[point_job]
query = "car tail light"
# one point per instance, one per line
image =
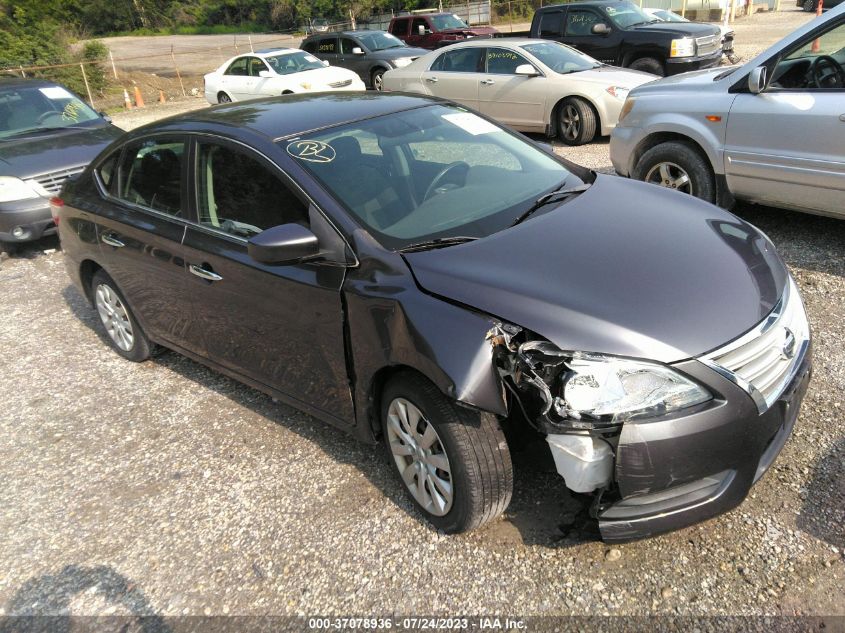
(55, 206)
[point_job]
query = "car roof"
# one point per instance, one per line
(20, 82)
(290, 115)
(579, 3)
(498, 41)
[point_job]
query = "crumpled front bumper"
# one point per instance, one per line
(675, 472)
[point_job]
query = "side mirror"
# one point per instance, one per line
(757, 80)
(265, 74)
(546, 147)
(105, 116)
(357, 51)
(325, 63)
(526, 70)
(421, 29)
(600, 29)
(283, 244)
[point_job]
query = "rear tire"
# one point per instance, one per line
(576, 122)
(461, 455)
(648, 65)
(377, 79)
(677, 165)
(222, 97)
(121, 328)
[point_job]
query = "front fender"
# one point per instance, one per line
(391, 323)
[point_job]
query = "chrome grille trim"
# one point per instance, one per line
(765, 360)
(53, 181)
(707, 44)
(341, 84)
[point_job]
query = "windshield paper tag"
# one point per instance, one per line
(312, 151)
(56, 92)
(471, 123)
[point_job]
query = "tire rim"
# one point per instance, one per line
(420, 457)
(671, 176)
(224, 98)
(115, 318)
(571, 122)
(377, 81)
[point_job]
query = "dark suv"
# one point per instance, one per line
(368, 53)
(619, 33)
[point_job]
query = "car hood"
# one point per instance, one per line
(693, 81)
(682, 29)
(44, 153)
(614, 76)
(399, 53)
(321, 76)
(625, 268)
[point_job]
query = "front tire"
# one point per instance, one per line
(454, 462)
(648, 65)
(809, 5)
(377, 79)
(677, 165)
(122, 330)
(576, 122)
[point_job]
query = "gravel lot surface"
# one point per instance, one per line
(166, 488)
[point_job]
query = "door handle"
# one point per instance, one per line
(111, 240)
(431, 80)
(487, 82)
(202, 273)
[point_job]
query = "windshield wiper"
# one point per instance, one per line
(436, 243)
(644, 22)
(558, 195)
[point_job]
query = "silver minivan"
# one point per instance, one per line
(771, 131)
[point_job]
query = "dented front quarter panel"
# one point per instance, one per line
(392, 324)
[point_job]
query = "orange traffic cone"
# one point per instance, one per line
(139, 100)
(126, 102)
(817, 46)
(161, 98)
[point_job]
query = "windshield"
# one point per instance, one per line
(668, 16)
(433, 172)
(625, 14)
(380, 41)
(293, 62)
(450, 21)
(28, 109)
(561, 58)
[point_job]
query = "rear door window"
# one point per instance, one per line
(551, 24)
(327, 46)
(238, 67)
(399, 28)
(462, 60)
(151, 175)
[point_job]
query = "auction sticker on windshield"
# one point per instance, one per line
(56, 92)
(471, 123)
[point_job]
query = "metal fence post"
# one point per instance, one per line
(113, 68)
(23, 74)
(87, 87)
(178, 74)
(251, 49)
(683, 8)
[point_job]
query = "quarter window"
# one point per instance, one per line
(502, 61)
(151, 174)
(240, 195)
(238, 67)
(462, 60)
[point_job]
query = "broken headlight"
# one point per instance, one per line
(606, 388)
(559, 390)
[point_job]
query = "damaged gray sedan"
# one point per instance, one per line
(412, 272)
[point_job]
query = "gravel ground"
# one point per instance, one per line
(167, 488)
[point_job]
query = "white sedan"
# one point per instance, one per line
(531, 85)
(273, 73)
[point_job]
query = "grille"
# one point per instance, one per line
(708, 44)
(764, 360)
(341, 84)
(53, 182)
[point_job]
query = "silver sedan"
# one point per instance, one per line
(531, 85)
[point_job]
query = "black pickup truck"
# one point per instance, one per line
(619, 33)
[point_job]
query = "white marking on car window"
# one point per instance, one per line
(471, 123)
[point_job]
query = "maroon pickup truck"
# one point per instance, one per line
(433, 30)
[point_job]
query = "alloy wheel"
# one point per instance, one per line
(114, 317)
(671, 176)
(378, 81)
(420, 457)
(571, 122)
